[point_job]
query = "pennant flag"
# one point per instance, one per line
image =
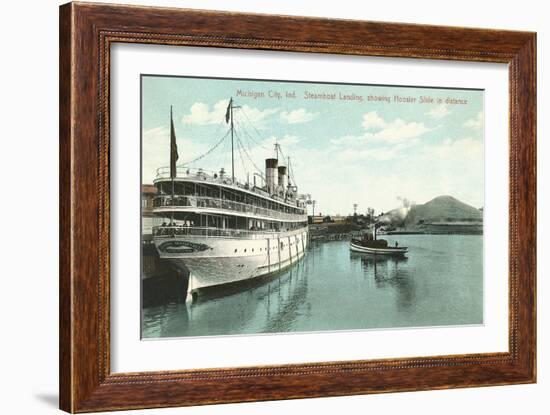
(228, 112)
(173, 148)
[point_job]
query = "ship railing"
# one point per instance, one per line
(223, 204)
(219, 179)
(182, 171)
(202, 175)
(170, 231)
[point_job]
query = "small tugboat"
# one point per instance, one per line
(370, 245)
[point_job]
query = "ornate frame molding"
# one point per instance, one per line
(86, 33)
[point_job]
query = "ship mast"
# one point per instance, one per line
(232, 150)
(229, 115)
(173, 159)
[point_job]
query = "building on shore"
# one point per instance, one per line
(315, 220)
(340, 219)
(148, 219)
(148, 193)
(325, 219)
(454, 227)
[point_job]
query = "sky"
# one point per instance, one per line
(372, 145)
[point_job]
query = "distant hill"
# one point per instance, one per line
(440, 209)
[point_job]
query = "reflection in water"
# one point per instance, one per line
(388, 274)
(286, 309)
(439, 283)
(271, 306)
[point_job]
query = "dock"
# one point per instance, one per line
(332, 232)
(160, 283)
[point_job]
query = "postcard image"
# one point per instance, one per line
(285, 206)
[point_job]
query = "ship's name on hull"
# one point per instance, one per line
(181, 247)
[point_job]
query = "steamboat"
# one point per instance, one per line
(223, 231)
(370, 244)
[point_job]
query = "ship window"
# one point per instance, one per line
(235, 250)
(252, 249)
(245, 250)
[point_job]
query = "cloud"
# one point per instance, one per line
(395, 131)
(289, 140)
(297, 116)
(202, 114)
(155, 143)
(463, 149)
(383, 140)
(266, 148)
(346, 140)
(439, 111)
(372, 121)
(255, 116)
(378, 153)
(381, 131)
(354, 150)
(476, 123)
(157, 133)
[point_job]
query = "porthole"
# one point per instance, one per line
(235, 250)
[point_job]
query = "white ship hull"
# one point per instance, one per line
(378, 251)
(216, 261)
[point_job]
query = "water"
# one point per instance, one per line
(439, 283)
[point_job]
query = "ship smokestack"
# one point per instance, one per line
(271, 175)
(283, 178)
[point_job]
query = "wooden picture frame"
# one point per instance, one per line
(86, 33)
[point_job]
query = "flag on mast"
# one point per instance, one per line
(228, 111)
(173, 147)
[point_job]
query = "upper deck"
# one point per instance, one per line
(207, 192)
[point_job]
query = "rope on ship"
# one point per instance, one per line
(290, 169)
(255, 129)
(207, 153)
(239, 145)
(239, 142)
(245, 144)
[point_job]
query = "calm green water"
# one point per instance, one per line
(440, 282)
